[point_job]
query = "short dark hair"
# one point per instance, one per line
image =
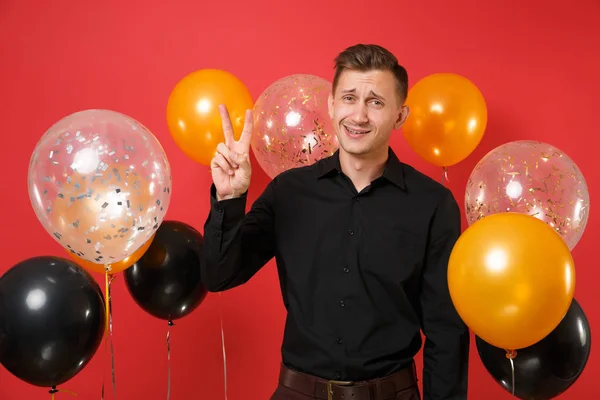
(367, 57)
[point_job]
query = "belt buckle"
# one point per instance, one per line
(337, 383)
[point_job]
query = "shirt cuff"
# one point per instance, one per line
(227, 212)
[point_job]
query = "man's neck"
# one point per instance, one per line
(363, 170)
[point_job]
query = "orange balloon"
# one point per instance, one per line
(193, 116)
(447, 119)
(512, 279)
(114, 268)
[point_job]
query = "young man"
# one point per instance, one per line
(362, 243)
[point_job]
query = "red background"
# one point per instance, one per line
(536, 63)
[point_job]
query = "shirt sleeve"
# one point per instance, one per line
(237, 245)
(446, 349)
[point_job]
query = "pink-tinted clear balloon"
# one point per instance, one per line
(534, 178)
(100, 184)
(292, 127)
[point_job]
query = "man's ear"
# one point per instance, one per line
(330, 105)
(402, 115)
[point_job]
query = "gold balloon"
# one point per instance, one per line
(447, 120)
(512, 279)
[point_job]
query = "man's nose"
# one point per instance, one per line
(360, 115)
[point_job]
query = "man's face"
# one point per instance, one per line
(365, 108)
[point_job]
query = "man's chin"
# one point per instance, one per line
(354, 150)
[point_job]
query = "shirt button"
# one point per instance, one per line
(338, 375)
(346, 269)
(217, 234)
(351, 232)
(342, 303)
(339, 340)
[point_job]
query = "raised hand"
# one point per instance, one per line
(230, 167)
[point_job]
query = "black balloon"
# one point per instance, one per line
(52, 320)
(166, 281)
(549, 367)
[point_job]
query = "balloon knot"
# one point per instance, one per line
(171, 323)
(53, 390)
(511, 354)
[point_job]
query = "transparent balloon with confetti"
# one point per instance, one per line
(534, 178)
(100, 184)
(292, 127)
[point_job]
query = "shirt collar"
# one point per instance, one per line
(393, 172)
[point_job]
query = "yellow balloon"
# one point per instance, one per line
(512, 279)
(447, 120)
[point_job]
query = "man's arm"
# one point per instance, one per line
(446, 350)
(237, 245)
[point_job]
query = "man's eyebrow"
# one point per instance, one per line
(372, 93)
(377, 95)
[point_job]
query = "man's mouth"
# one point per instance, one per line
(356, 131)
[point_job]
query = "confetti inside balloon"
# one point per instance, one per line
(534, 178)
(292, 127)
(100, 184)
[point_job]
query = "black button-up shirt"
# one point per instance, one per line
(361, 273)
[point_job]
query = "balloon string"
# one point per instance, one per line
(106, 298)
(169, 359)
(223, 346)
(54, 390)
(106, 323)
(511, 354)
(445, 175)
(512, 368)
(108, 279)
(112, 350)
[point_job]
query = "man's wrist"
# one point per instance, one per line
(234, 195)
(227, 197)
